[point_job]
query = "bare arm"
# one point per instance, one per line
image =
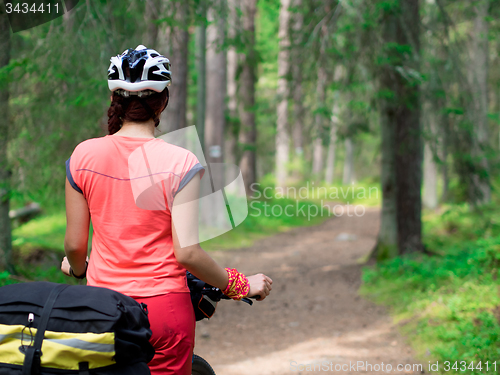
(193, 257)
(77, 231)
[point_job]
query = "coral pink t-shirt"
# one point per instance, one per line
(129, 184)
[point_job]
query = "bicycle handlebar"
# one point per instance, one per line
(215, 294)
(244, 299)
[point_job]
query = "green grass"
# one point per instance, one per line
(448, 304)
(362, 193)
(367, 193)
(46, 232)
(38, 250)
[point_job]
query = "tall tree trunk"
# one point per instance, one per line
(317, 168)
(282, 137)
(298, 112)
(430, 197)
(387, 240)
(5, 227)
(334, 123)
(348, 175)
(409, 137)
(401, 176)
(497, 107)
(479, 190)
(232, 127)
(69, 21)
(444, 155)
(248, 133)
(201, 69)
(442, 132)
(177, 38)
(216, 80)
(151, 14)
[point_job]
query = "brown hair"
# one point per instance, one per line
(131, 109)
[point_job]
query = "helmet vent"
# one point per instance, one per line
(151, 75)
(139, 70)
(136, 71)
(126, 69)
(113, 73)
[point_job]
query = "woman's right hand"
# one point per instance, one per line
(260, 285)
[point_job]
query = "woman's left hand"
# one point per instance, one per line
(65, 267)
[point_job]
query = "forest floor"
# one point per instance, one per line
(314, 315)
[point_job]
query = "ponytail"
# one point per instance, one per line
(135, 109)
(116, 113)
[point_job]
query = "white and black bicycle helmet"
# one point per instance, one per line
(140, 72)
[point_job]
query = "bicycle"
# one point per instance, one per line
(205, 298)
(201, 366)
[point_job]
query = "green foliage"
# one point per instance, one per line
(388, 5)
(448, 302)
(458, 223)
(58, 91)
(5, 279)
(266, 38)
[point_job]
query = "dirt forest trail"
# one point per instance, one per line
(314, 314)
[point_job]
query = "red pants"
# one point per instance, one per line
(173, 322)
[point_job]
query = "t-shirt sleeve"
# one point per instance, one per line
(190, 169)
(70, 171)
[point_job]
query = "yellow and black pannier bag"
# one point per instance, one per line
(55, 329)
